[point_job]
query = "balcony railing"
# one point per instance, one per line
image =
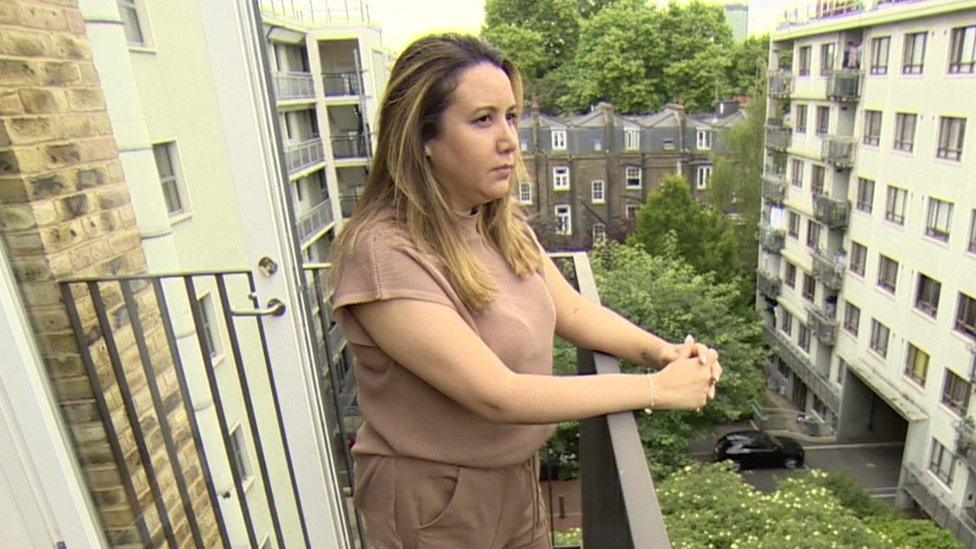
(839, 151)
(293, 85)
(774, 184)
(831, 212)
(345, 83)
(823, 325)
(844, 85)
(829, 269)
(966, 442)
(305, 154)
(321, 11)
(771, 239)
(778, 139)
(816, 380)
(315, 220)
(768, 283)
(350, 146)
(933, 500)
(780, 83)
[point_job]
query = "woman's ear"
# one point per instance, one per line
(427, 150)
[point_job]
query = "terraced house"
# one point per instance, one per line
(868, 246)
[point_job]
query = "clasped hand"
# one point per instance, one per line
(687, 382)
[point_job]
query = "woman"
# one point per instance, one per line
(450, 305)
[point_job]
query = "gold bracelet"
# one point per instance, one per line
(650, 383)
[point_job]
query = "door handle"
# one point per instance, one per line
(274, 307)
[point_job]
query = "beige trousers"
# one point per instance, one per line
(410, 503)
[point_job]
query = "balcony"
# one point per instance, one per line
(823, 325)
(316, 219)
(767, 283)
(966, 441)
(829, 270)
(831, 212)
(838, 151)
(342, 84)
(772, 240)
(353, 145)
(293, 85)
(774, 184)
(931, 497)
(780, 84)
(778, 138)
(814, 379)
(300, 156)
(844, 85)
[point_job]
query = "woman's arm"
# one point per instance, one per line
(434, 343)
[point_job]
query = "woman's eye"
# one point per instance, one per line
(482, 120)
(511, 117)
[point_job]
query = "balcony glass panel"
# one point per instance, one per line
(823, 324)
(315, 220)
(839, 151)
(829, 269)
(780, 83)
(830, 211)
(778, 139)
(302, 155)
(844, 85)
(349, 146)
(338, 84)
(293, 85)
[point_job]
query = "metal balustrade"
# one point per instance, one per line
(823, 325)
(353, 145)
(844, 85)
(829, 269)
(780, 83)
(772, 240)
(293, 85)
(838, 151)
(774, 184)
(768, 284)
(343, 83)
(316, 219)
(933, 500)
(302, 155)
(812, 377)
(832, 212)
(778, 139)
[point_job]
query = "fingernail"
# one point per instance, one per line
(689, 340)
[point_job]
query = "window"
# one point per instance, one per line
(895, 205)
(887, 273)
(913, 57)
(165, 154)
(630, 210)
(633, 177)
(879, 338)
(927, 295)
(801, 119)
(790, 277)
(804, 61)
(599, 233)
(809, 287)
(952, 132)
(238, 449)
(905, 132)
(704, 139)
(966, 316)
(564, 219)
(938, 220)
(859, 256)
(702, 177)
(668, 143)
(826, 58)
(955, 393)
(597, 191)
(879, 54)
(872, 128)
(962, 51)
(972, 233)
(560, 178)
(129, 13)
(803, 337)
(852, 318)
(559, 140)
(208, 320)
(786, 322)
(796, 173)
(916, 364)
(525, 192)
(823, 120)
(841, 370)
(632, 139)
(817, 180)
(813, 234)
(794, 225)
(865, 195)
(942, 462)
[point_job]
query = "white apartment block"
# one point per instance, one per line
(867, 274)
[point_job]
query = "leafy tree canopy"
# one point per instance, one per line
(554, 22)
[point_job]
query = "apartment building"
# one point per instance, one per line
(589, 174)
(867, 275)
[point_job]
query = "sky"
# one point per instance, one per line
(404, 20)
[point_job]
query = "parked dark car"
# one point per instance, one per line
(756, 449)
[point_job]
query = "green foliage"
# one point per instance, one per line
(701, 236)
(748, 64)
(548, 27)
(850, 494)
(914, 533)
(571, 537)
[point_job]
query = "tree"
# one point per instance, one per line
(551, 24)
(748, 64)
(700, 235)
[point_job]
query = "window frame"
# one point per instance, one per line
(909, 49)
(965, 319)
(895, 203)
(173, 182)
(793, 224)
(859, 258)
(786, 323)
(938, 219)
(523, 186)
(865, 195)
(703, 139)
(887, 266)
(928, 292)
(828, 51)
(872, 128)
(958, 63)
(210, 327)
(559, 140)
(563, 229)
(629, 177)
(802, 111)
(241, 458)
(789, 274)
(796, 172)
(946, 150)
(138, 11)
(818, 178)
(703, 176)
(814, 231)
(823, 120)
(593, 191)
(560, 178)
(632, 139)
(630, 210)
(803, 61)
(916, 359)
(880, 338)
(939, 456)
(904, 139)
(602, 232)
(877, 66)
(852, 318)
(809, 289)
(803, 337)
(952, 397)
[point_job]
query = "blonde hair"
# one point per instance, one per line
(401, 178)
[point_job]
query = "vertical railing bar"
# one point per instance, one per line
(197, 313)
(103, 411)
(252, 419)
(150, 372)
(276, 403)
(190, 412)
(130, 411)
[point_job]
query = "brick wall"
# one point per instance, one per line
(65, 212)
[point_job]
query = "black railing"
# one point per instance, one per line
(338, 84)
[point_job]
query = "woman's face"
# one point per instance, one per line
(473, 154)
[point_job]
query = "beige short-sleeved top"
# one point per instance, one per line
(404, 416)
